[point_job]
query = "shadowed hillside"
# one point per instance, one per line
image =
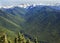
(44, 23)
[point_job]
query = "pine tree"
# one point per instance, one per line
(35, 40)
(4, 39)
(16, 40)
(9, 41)
(21, 38)
(28, 41)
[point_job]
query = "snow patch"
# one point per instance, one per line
(27, 5)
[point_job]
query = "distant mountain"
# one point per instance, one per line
(44, 22)
(38, 21)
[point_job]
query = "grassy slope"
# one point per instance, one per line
(10, 21)
(10, 34)
(10, 24)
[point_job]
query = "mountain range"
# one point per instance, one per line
(38, 21)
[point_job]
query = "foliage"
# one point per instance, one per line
(19, 39)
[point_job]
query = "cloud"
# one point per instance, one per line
(16, 2)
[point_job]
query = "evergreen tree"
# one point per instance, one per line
(28, 41)
(21, 38)
(35, 40)
(9, 41)
(4, 38)
(16, 40)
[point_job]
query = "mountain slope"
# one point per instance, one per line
(44, 23)
(4, 30)
(10, 24)
(10, 21)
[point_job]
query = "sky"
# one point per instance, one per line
(17, 2)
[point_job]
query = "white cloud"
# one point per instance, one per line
(16, 2)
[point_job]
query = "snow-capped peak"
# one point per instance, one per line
(21, 5)
(27, 5)
(6, 7)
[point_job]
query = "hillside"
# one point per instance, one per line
(10, 21)
(42, 22)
